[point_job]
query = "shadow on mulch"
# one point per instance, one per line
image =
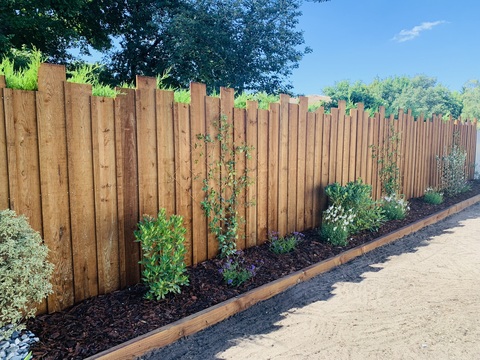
(104, 321)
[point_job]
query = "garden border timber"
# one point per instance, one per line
(194, 323)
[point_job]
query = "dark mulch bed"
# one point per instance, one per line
(102, 322)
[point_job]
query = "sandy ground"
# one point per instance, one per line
(418, 298)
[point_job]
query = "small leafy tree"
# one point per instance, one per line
(162, 241)
(224, 184)
(24, 271)
(451, 168)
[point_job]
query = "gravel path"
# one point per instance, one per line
(417, 298)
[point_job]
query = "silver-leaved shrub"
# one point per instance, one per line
(24, 271)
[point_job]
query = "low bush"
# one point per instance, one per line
(335, 234)
(285, 244)
(357, 196)
(24, 271)
(163, 250)
(432, 196)
(395, 207)
(235, 272)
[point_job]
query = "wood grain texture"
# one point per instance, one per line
(301, 162)
(183, 174)
(208, 317)
(103, 134)
(273, 165)
(322, 142)
(199, 172)
(239, 126)
(282, 209)
(212, 152)
(310, 170)
(147, 147)
(262, 176)
(165, 150)
(4, 193)
(292, 155)
(251, 228)
(127, 186)
(54, 182)
(81, 185)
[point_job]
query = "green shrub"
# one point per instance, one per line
(337, 224)
(21, 72)
(432, 196)
(451, 167)
(285, 244)
(334, 234)
(357, 196)
(162, 241)
(24, 271)
(395, 207)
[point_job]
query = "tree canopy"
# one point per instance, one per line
(249, 44)
(422, 94)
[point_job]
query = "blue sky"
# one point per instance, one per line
(362, 39)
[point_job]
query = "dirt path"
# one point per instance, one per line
(418, 298)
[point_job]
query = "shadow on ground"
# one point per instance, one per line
(263, 318)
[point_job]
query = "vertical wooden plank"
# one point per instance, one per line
(103, 133)
(365, 145)
(212, 156)
(273, 165)
(377, 138)
(10, 136)
(81, 185)
(2, 82)
(4, 194)
(226, 109)
(359, 144)
(333, 145)
(23, 159)
(410, 147)
(166, 151)
(346, 149)
(262, 176)
(291, 192)
(283, 166)
(311, 188)
(54, 182)
(401, 149)
(127, 186)
(353, 145)
(147, 147)
(301, 144)
(239, 116)
(251, 166)
(368, 155)
(322, 157)
(199, 172)
(340, 140)
(183, 171)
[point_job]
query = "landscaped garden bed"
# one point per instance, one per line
(105, 321)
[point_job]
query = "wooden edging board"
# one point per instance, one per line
(189, 325)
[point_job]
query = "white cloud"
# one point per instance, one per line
(406, 35)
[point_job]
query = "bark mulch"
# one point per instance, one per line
(104, 321)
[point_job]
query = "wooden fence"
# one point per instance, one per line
(84, 169)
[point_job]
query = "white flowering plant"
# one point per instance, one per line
(337, 225)
(395, 207)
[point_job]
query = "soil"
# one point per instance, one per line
(104, 321)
